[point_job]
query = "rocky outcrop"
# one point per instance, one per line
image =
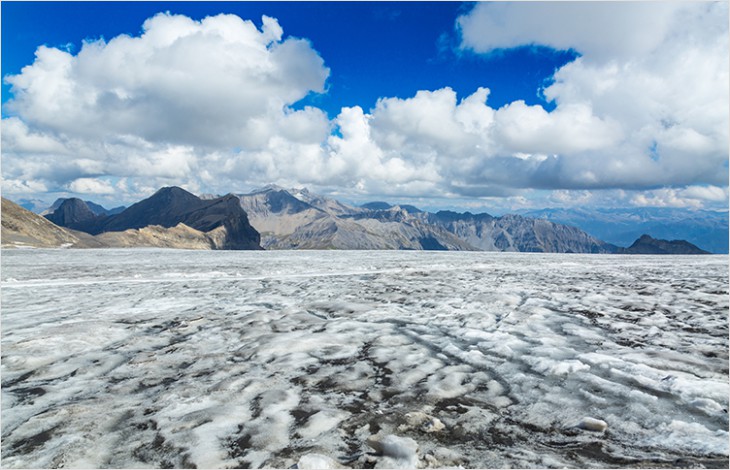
(180, 236)
(647, 245)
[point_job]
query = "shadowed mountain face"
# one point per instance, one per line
(167, 208)
(647, 245)
(75, 214)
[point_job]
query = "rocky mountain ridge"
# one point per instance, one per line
(24, 229)
(299, 219)
(167, 208)
(289, 219)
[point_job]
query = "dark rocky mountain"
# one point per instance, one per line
(93, 207)
(167, 208)
(647, 245)
(75, 214)
(23, 229)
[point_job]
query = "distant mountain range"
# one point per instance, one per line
(278, 218)
(706, 229)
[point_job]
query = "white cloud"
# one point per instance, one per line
(209, 105)
(157, 105)
(91, 186)
(567, 130)
(691, 197)
(180, 82)
(645, 105)
(600, 30)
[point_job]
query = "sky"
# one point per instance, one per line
(493, 106)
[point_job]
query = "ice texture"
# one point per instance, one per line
(163, 358)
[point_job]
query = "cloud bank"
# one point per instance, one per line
(211, 104)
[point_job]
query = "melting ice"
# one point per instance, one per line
(165, 358)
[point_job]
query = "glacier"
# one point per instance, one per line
(152, 358)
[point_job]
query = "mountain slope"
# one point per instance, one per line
(180, 236)
(299, 219)
(21, 227)
(290, 219)
(517, 233)
(75, 214)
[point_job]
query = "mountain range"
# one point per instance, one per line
(704, 228)
(290, 219)
(278, 218)
(172, 217)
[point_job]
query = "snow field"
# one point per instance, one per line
(154, 358)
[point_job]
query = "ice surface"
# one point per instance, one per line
(165, 358)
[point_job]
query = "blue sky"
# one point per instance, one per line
(445, 104)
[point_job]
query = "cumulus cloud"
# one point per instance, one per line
(161, 104)
(599, 30)
(209, 105)
(91, 186)
(646, 103)
(694, 197)
(180, 81)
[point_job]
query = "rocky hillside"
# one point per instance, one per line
(23, 228)
(289, 219)
(517, 233)
(298, 219)
(180, 236)
(647, 245)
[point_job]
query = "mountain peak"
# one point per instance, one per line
(172, 190)
(73, 213)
